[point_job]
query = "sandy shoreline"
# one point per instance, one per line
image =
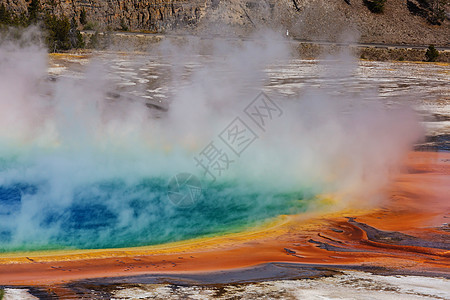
(409, 235)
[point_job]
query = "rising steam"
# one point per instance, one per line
(79, 168)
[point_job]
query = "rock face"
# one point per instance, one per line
(153, 15)
(331, 20)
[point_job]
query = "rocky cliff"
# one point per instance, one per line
(306, 19)
(152, 15)
(333, 20)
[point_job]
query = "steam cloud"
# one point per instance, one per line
(78, 169)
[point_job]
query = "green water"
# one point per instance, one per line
(117, 213)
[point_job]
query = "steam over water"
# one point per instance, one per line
(85, 157)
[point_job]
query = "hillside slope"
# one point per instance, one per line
(307, 19)
(330, 20)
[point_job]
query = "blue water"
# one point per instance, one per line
(116, 213)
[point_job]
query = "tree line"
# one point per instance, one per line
(60, 32)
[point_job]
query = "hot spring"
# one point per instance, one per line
(88, 144)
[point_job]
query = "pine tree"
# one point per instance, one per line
(375, 6)
(83, 18)
(431, 54)
(5, 16)
(33, 11)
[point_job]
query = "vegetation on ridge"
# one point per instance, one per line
(60, 33)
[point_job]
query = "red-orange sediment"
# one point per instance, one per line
(418, 206)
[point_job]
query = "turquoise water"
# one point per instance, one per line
(116, 213)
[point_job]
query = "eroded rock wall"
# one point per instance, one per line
(153, 15)
(330, 20)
